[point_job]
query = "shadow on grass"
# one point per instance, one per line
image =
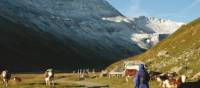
(106, 86)
(58, 85)
(31, 84)
(191, 85)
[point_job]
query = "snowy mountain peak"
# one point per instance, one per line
(153, 30)
(148, 25)
(156, 25)
(149, 30)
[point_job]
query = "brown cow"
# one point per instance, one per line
(17, 79)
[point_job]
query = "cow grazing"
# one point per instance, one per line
(172, 83)
(17, 79)
(168, 81)
(181, 80)
(172, 74)
(161, 77)
(153, 75)
(5, 77)
(49, 77)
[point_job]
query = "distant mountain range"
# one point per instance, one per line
(156, 25)
(71, 34)
(151, 30)
(179, 53)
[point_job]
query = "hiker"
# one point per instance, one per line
(142, 78)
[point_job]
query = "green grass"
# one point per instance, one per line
(70, 81)
(37, 81)
(121, 83)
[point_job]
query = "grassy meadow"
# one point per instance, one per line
(69, 80)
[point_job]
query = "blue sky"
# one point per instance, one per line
(178, 10)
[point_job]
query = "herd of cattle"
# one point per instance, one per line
(48, 77)
(166, 80)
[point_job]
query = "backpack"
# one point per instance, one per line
(144, 77)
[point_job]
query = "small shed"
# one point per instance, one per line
(116, 72)
(131, 68)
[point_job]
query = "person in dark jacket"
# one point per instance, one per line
(142, 78)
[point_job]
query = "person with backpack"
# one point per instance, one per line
(142, 78)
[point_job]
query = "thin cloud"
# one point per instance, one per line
(136, 10)
(182, 13)
(192, 5)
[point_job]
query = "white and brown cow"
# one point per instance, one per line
(49, 77)
(167, 81)
(5, 77)
(181, 80)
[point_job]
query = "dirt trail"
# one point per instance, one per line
(84, 83)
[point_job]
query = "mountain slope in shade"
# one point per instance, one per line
(65, 34)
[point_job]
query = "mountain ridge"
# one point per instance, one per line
(178, 53)
(65, 34)
(73, 37)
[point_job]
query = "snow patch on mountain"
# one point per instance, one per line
(156, 25)
(117, 19)
(147, 41)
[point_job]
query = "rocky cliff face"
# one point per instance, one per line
(63, 34)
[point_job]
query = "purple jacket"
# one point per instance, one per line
(142, 78)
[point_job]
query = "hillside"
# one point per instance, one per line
(65, 34)
(178, 53)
